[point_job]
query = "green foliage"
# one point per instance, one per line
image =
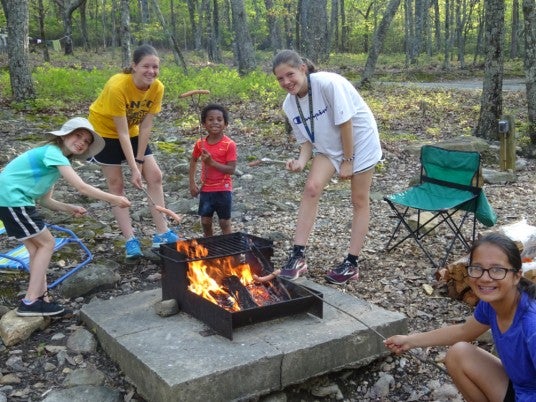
(68, 84)
(224, 83)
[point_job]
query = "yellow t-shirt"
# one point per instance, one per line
(120, 97)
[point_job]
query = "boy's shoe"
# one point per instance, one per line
(343, 273)
(169, 237)
(133, 249)
(39, 308)
(295, 266)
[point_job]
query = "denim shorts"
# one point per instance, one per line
(215, 201)
(22, 222)
(113, 154)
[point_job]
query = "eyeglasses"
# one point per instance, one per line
(496, 273)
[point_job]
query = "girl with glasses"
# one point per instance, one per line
(508, 308)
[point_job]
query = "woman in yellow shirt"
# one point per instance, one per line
(123, 115)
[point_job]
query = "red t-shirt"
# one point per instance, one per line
(223, 151)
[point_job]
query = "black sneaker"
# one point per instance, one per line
(343, 273)
(39, 308)
(295, 266)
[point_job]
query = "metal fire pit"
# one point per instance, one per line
(257, 252)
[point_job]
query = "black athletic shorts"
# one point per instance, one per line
(22, 222)
(112, 154)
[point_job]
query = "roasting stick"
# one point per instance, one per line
(266, 160)
(276, 272)
(195, 99)
(164, 211)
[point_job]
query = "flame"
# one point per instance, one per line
(206, 276)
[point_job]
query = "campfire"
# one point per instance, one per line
(219, 280)
(227, 281)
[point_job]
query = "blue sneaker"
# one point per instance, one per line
(133, 248)
(169, 237)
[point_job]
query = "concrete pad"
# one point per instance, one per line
(173, 359)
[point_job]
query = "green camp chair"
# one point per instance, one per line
(450, 189)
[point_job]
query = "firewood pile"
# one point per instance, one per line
(455, 276)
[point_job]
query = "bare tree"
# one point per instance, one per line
(17, 14)
(124, 35)
(67, 8)
(313, 23)
(516, 30)
(529, 13)
(491, 101)
(83, 25)
(179, 60)
(244, 52)
(377, 41)
(273, 25)
(41, 20)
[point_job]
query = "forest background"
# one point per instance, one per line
(461, 37)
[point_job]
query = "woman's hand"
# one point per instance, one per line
(135, 178)
(294, 165)
(346, 170)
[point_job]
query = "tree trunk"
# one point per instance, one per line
(41, 13)
(245, 54)
(437, 25)
(144, 16)
(67, 11)
(377, 41)
(177, 54)
(491, 102)
(529, 13)
(333, 32)
(344, 29)
(314, 30)
(216, 35)
(516, 30)
(20, 75)
(83, 25)
(124, 34)
(273, 25)
(196, 31)
(448, 42)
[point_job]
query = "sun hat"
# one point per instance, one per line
(80, 122)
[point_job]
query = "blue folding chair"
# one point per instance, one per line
(19, 258)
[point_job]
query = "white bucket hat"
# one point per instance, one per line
(80, 122)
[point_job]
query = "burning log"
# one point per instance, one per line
(240, 293)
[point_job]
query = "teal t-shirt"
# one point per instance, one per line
(31, 175)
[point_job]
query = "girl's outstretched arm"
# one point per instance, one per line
(444, 336)
(71, 177)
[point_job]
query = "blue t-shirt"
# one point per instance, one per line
(517, 346)
(31, 175)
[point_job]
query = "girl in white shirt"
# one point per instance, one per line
(333, 124)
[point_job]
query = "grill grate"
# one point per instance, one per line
(227, 245)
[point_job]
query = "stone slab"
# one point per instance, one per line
(173, 359)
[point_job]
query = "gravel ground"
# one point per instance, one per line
(267, 198)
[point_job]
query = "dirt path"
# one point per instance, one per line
(509, 84)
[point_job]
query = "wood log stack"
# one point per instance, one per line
(455, 277)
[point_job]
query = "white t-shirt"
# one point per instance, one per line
(335, 101)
